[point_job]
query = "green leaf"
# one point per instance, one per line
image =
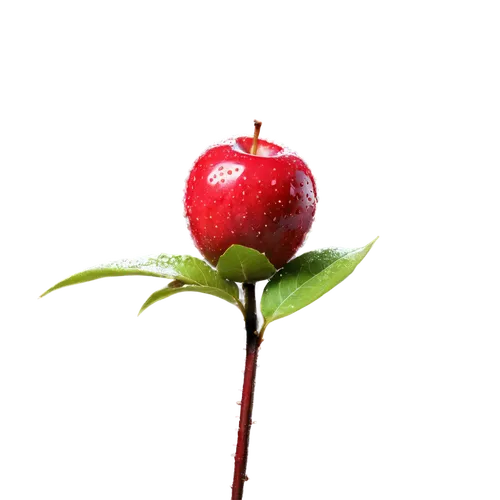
(97, 274)
(308, 277)
(168, 291)
(183, 268)
(243, 264)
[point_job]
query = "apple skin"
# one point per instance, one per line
(265, 201)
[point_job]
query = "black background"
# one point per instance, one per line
(148, 402)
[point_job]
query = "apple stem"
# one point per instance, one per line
(256, 133)
(253, 343)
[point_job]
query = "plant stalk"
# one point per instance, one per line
(256, 132)
(253, 342)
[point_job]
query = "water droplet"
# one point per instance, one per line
(273, 182)
(221, 167)
(211, 180)
(223, 180)
(229, 172)
(237, 169)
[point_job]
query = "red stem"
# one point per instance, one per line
(253, 341)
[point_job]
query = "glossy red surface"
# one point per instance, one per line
(265, 201)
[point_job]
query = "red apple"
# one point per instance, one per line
(264, 201)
